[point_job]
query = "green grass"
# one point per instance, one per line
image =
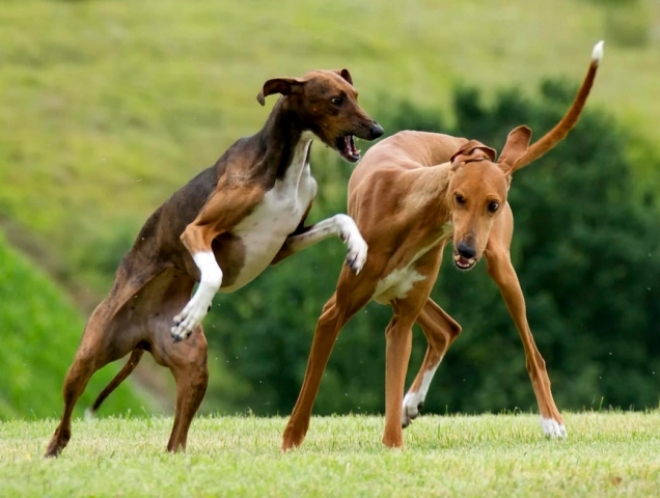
(107, 106)
(606, 454)
(40, 329)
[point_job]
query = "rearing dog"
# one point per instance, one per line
(222, 230)
(409, 196)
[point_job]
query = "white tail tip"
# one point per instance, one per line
(597, 53)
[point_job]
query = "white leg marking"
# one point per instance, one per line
(196, 309)
(552, 428)
(342, 226)
(357, 247)
(89, 415)
(412, 400)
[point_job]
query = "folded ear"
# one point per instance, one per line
(284, 86)
(473, 151)
(345, 74)
(515, 147)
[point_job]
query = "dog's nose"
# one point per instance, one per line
(376, 131)
(468, 252)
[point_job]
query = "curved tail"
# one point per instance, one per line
(561, 129)
(121, 376)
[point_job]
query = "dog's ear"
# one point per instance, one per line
(344, 73)
(284, 86)
(515, 147)
(472, 151)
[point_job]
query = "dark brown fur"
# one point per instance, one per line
(155, 279)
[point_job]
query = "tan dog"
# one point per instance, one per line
(409, 194)
(222, 230)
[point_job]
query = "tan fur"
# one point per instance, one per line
(403, 195)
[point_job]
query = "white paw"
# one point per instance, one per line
(357, 247)
(552, 428)
(357, 252)
(89, 415)
(191, 316)
(412, 403)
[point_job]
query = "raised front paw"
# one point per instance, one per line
(357, 247)
(191, 316)
(357, 253)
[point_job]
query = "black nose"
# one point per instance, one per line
(468, 252)
(376, 131)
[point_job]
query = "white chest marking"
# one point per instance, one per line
(263, 232)
(397, 284)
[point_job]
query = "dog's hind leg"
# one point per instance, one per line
(187, 361)
(100, 345)
(440, 330)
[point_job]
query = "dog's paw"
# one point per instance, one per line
(357, 247)
(357, 252)
(191, 316)
(412, 405)
(553, 428)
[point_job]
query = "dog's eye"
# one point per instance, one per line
(493, 206)
(336, 101)
(460, 200)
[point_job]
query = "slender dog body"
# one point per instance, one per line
(412, 194)
(222, 230)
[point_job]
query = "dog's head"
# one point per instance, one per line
(478, 188)
(326, 103)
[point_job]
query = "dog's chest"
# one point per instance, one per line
(399, 282)
(264, 231)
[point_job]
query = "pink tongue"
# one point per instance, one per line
(464, 261)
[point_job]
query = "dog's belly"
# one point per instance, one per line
(262, 234)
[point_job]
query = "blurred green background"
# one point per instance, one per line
(108, 106)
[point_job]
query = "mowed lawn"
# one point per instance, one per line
(606, 454)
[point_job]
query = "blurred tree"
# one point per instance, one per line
(586, 251)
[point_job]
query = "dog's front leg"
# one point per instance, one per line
(224, 210)
(340, 225)
(200, 304)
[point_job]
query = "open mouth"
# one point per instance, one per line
(346, 147)
(464, 264)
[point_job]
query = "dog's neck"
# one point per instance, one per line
(280, 138)
(431, 189)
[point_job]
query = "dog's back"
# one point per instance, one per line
(403, 151)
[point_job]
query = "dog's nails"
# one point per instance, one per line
(208, 309)
(176, 338)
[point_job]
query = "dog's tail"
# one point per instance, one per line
(121, 376)
(559, 132)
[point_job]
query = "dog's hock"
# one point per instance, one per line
(197, 308)
(597, 53)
